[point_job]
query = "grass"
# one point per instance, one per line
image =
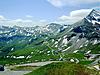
(79, 56)
(86, 62)
(11, 61)
(23, 68)
(63, 68)
(40, 53)
(95, 49)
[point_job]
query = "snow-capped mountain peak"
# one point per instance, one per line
(94, 17)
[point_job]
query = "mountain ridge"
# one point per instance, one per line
(63, 42)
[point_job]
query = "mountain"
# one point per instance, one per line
(87, 29)
(14, 38)
(82, 38)
(6, 31)
(83, 32)
(79, 42)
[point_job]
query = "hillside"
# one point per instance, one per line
(64, 68)
(79, 42)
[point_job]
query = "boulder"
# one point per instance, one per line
(1, 68)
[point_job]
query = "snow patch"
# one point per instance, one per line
(65, 41)
(95, 41)
(88, 52)
(97, 67)
(71, 60)
(75, 51)
(20, 57)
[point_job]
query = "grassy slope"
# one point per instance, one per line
(64, 68)
(23, 68)
(95, 49)
(39, 51)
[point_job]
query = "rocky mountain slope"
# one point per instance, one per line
(79, 42)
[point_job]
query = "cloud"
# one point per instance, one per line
(21, 22)
(74, 16)
(2, 18)
(29, 16)
(61, 3)
(80, 13)
(56, 3)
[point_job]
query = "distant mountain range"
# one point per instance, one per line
(53, 41)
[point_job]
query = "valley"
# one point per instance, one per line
(40, 46)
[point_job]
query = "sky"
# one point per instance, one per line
(41, 12)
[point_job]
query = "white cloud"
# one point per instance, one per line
(2, 17)
(60, 3)
(21, 20)
(18, 20)
(29, 16)
(56, 3)
(74, 16)
(80, 13)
